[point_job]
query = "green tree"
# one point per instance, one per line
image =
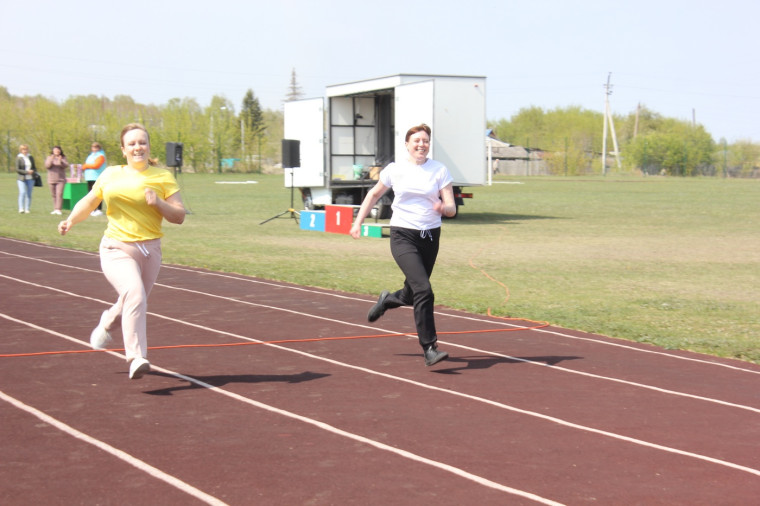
(273, 134)
(222, 133)
(572, 140)
(744, 157)
(9, 124)
(184, 121)
(85, 123)
(675, 148)
(641, 122)
(252, 119)
(569, 136)
(208, 134)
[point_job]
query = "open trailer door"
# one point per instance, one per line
(414, 105)
(304, 121)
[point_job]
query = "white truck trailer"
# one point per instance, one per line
(348, 136)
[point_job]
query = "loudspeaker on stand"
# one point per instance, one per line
(291, 153)
(174, 154)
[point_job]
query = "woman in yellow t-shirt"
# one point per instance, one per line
(138, 197)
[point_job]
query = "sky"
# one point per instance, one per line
(690, 60)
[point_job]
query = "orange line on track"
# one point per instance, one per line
(537, 325)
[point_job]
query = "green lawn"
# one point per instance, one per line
(669, 261)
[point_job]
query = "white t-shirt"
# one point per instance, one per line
(416, 189)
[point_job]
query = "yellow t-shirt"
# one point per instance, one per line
(130, 218)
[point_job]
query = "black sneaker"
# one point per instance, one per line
(433, 356)
(378, 309)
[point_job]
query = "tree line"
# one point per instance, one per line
(215, 138)
(223, 138)
(571, 140)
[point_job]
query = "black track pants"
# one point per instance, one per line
(415, 252)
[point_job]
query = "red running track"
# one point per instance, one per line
(541, 416)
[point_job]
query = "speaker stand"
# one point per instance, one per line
(293, 213)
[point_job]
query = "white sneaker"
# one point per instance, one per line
(55, 212)
(96, 212)
(138, 368)
(99, 338)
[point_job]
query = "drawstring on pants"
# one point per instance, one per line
(424, 232)
(142, 249)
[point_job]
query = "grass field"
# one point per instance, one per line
(669, 261)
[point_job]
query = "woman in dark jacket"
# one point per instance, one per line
(25, 169)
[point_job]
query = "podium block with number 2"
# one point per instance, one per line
(313, 220)
(338, 219)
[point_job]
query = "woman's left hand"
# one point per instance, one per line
(172, 208)
(447, 205)
(150, 197)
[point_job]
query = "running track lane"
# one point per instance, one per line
(526, 417)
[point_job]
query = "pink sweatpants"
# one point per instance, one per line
(56, 190)
(132, 269)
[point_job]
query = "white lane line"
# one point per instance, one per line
(246, 279)
(500, 405)
(609, 378)
(129, 459)
(371, 442)
(448, 343)
(316, 423)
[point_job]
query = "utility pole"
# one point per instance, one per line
(242, 142)
(608, 117)
(636, 123)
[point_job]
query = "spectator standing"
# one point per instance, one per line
(25, 170)
(93, 166)
(56, 165)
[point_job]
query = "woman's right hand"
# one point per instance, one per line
(64, 227)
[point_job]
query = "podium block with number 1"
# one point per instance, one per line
(338, 219)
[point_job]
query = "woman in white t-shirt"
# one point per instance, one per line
(423, 192)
